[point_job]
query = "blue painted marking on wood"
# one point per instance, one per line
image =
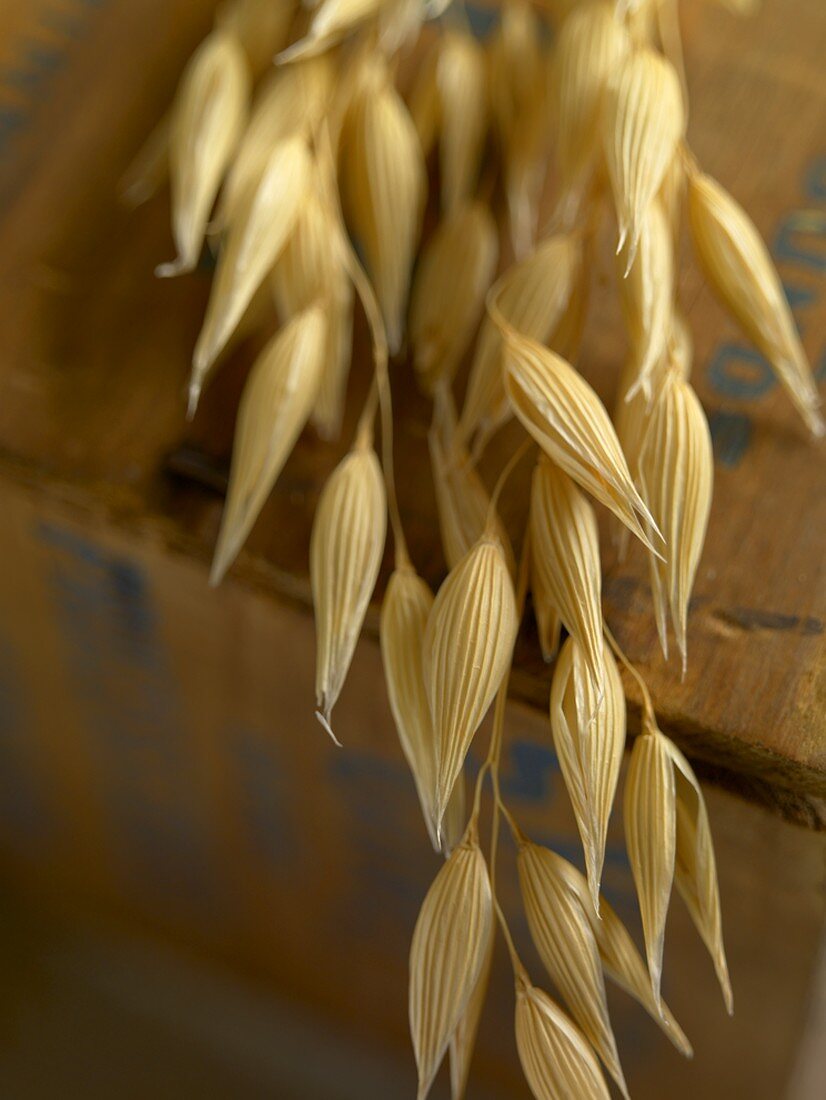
(388, 866)
(797, 239)
(37, 64)
(730, 436)
(529, 772)
(254, 764)
(25, 816)
(740, 372)
(131, 716)
(798, 296)
(815, 182)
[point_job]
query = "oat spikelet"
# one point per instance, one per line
(622, 962)
(591, 44)
(332, 21)
(556, 1058)
(250, 250)
(452, 279)
(345, 553)
(648, 297)
(464, 1037)
(589, 738)
(207, 120)
(740, 269)
(290, 101)
(309, 268)
(461, 78)
(631, 412)
(449, 950)
(520, 105)
(384, 185)
(262, 27)
(455, 820)
(561, 930)
(676, 473)
(462, 501)
(274, 407)
(565, 545)
(643, 122)
(404, 613)
(548, 622)
(533, 296)
(569, 422)
(310, 261)
(467, 650)
(696, 869)
(650, 821)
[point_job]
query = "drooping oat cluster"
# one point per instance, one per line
(280, 170)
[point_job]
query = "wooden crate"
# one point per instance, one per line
(160, 759)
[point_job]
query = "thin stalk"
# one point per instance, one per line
(648, 706)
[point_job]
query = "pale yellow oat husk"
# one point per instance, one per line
(449, 949)
(290, 101)
(555, 1056)
(740, 269)
(696, 870)
(648, 298)
(275, 405)
(455, 820)
(516, 62)
(464, 1037)
(462, 501)
(565, 545)
(467, 650)
(520, 104)
(562, 933)
(676, 476)
(461, 78)
(310, 267)
(405, 609)
(332, 21)
(566, 338)
(631, 411)
(207, 121)
(643, 122)
(591, 44)
(671, 196)
(532, 296)
(399, 25)
(589, 738)
(384, 188)
(622, 962)
(345, 553)
(453, 276)
(262, 27)
(548, 622)
(328, 411)
(250, 250)
(310, 262)
(650, 820)
(569, 422)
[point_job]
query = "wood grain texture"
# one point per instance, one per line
(96, 354)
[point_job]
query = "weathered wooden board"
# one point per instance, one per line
(95, 355)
